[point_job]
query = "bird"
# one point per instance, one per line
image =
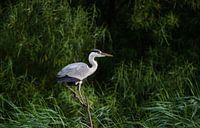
(75, 73)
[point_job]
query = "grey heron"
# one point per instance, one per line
(75, 73)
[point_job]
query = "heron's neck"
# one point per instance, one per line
(93, 63)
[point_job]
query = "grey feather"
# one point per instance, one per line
(77, 70)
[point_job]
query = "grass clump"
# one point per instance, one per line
(152, 98)
(182, 112)
(34, 115)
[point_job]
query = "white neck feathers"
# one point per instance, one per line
(93, 62)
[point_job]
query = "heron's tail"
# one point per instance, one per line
(66, 79)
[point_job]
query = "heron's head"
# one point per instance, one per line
(98, 53)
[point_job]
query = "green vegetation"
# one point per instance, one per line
(152, 81)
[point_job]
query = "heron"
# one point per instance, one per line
(75, 73)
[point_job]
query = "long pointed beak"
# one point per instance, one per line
(106, 54)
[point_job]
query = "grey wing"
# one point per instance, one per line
(77, 70)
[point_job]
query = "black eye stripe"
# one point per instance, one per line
(96, 50)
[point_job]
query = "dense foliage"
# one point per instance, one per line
(152, 81)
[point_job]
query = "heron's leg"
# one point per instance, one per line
(79, 83)
(79, 89)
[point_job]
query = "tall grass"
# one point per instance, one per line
(47, 34)
(37, 38)
(151, 98)
(139, 96)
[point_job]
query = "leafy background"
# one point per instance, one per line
(152, 81)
